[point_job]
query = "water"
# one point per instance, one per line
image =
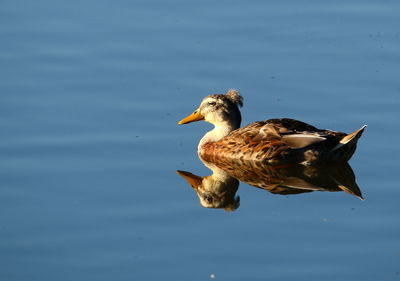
(90, 96)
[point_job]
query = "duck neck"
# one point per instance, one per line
(220, 130)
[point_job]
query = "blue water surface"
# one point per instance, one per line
(91, 92)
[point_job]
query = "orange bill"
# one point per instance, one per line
(193, 180)
(195, 116)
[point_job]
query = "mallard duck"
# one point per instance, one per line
(273, 141)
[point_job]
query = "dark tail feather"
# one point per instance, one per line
(353, 137)
(347, 145)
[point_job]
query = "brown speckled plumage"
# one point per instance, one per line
(273, 141)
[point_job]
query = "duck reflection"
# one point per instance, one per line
(218, 190)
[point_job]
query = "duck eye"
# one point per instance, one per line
(212, 103)
(208, 198)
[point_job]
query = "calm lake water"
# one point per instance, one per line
(91, 92)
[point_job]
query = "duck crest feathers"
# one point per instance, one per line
(235, 97)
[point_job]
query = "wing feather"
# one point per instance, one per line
(301, 140)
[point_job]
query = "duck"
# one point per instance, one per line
(273, 141)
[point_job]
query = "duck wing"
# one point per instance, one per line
(273, 140)
(290, 132)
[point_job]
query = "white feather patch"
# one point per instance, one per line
(301, 140)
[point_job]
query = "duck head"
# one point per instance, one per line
(218, 109)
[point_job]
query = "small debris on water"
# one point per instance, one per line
(212, 276)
